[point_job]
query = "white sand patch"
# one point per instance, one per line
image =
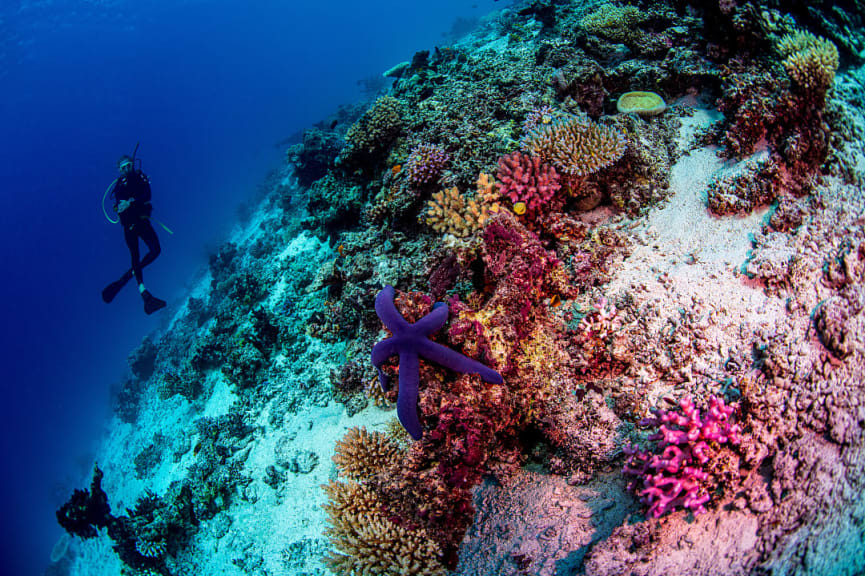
(264, 527)
(221, 398)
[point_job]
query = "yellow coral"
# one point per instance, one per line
(361, 454)
(576, 147)
(449, 212)
(810, 61)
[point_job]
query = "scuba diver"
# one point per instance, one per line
(131, 191)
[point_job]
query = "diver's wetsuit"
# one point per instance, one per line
(136, 219)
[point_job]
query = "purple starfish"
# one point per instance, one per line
(410, 341)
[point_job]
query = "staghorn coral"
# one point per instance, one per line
(576, 146)
(359, 454)
(527, 180)
(679, 471)
(449, 212)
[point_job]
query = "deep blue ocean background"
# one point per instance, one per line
(209, 88)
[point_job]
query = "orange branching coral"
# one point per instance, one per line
(365, 543)
(487, 190)
(360, 454)
(575, 146)
(449, 212)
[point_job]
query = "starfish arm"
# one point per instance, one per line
(380, 353)
(387, 312)
(455, 361)
(407, 401)
(432, 321)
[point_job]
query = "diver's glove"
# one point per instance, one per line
(123, 205)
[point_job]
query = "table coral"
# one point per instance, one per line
(576, 146)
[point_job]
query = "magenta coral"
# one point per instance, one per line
(675, 475)
(425, 163)
(527, 179)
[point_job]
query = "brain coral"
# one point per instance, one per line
(575, 146)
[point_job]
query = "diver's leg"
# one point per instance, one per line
(151, 240)
(131, 237)
(148, 235)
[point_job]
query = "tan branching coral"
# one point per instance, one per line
(364, 542)
(360, 454)
(350, 498)
(576, 146)
(810, 61)
(450, 212)
(368, 544)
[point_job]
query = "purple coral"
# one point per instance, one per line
(527, 179)
(425, 163)
(674, 475)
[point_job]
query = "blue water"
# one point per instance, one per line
(208, 87)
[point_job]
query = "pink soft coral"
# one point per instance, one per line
(675, 475)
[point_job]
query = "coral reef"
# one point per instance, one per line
(425, 164)
(570, 244)
(360, 454)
